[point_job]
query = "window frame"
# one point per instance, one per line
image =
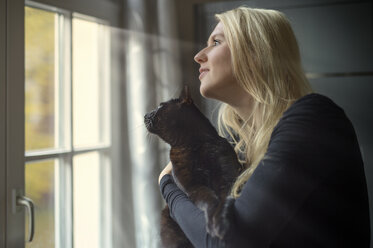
(3, 100)
(64, 150)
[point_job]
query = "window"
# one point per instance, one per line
(67, 127)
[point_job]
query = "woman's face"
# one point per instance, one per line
(216, 72)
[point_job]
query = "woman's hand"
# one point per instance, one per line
(166, 170)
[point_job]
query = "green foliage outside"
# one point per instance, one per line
(39, 119)
(39, 76)
(40, 188)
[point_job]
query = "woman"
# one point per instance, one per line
(304, 183)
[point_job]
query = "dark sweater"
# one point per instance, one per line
(308, 191)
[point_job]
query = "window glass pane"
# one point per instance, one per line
(40, 80)
(86, 183)
(40, 187)
(87, 84)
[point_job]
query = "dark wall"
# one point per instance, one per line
(336, 43)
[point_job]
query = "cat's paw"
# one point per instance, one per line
(218, 223)
(217, 226)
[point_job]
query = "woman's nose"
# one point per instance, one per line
(200, 57)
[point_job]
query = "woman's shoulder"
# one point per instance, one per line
(314, 105)
(314, 124)
(315, 115)
(316, 118)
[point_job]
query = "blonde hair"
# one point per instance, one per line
(266, 63)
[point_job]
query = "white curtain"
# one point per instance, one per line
(145, 71)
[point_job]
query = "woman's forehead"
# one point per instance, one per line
(219, 29)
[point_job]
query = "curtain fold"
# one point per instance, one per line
(145, 71)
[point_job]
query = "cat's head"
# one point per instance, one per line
(175, 120)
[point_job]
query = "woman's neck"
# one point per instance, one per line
(243, 106)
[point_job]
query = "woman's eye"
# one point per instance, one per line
(216, 42)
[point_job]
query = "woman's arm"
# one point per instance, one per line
(191, 219)
(178, 203)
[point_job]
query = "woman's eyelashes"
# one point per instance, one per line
(216, 42)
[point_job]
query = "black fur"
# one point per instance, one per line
(204, 165)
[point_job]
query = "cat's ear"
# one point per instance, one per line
(185, 95)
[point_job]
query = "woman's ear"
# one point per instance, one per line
(185, 95)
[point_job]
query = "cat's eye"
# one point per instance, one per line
(160, 106)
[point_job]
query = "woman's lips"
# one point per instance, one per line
(202, 73)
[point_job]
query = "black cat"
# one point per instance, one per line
(204, 164)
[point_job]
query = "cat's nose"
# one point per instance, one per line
(148, 120)
(147, 117)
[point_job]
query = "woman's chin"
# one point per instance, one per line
(208, 94)
(204, 91)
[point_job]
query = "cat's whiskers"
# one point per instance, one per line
(150, 137)
(137, 126)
